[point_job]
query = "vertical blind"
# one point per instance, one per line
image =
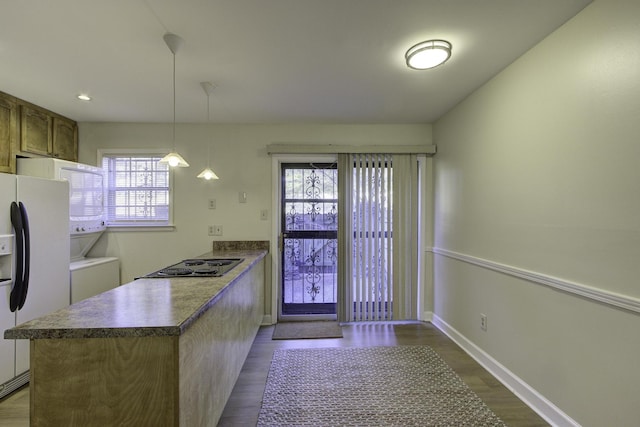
(377, 227)
(372, 237)
(405, 236)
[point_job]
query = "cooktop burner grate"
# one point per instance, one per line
(198, 267)
(175, 271)
(220, 262)
(191, 262)
(205, 271)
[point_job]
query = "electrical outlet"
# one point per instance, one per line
(212, 203)
(483, 322)
(215, 230)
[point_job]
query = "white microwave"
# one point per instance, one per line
(86, 190)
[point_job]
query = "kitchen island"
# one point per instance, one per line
(153, 352)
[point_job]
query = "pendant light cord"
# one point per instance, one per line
(174, 102)
(208, 103)
(208, 145)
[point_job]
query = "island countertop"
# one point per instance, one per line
(144, 307)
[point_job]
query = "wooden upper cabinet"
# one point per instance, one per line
(36, 131)
(28, 130)
(65, 139)
(8, 133)
(47, 134)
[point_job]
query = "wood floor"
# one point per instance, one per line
(244, 403)
(14, 409)
(243, 406)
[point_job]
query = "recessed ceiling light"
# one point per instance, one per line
(84, 97)
(429, 54)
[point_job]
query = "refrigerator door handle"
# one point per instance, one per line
(27, 254)
(16, 289)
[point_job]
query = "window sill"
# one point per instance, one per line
(126, 228)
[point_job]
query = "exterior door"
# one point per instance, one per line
(309, 224)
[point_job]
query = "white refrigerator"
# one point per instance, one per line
(41, 252)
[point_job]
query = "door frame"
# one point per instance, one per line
(276, 230)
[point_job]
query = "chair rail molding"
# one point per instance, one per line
(606, 297)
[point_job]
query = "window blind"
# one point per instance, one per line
(137, 190)
(377, 227)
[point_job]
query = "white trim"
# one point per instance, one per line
(14, 383)
(275, 236)
(610, 298)
(354, 149)
(536, 401)
(266, 320)
(136, 228)
(424, 237)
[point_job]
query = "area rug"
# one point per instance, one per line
(307, 330)
(369, 386)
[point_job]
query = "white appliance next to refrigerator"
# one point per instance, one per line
(89, 276)
(92, 276)
(34, 263)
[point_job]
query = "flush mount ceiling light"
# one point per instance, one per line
(84, 97)
(174, 159)
(429, 54)
(208, 174)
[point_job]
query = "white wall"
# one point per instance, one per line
(239, 157)
(537, 176)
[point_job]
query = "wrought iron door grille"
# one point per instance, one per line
(309, 224)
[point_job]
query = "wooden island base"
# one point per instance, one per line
(180, 380)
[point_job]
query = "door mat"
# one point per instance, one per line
(370, 386)
(307, 330)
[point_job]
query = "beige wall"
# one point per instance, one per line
(239, 157)
(536, 187)
(537, 175)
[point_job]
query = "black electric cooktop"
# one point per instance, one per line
(197, 267)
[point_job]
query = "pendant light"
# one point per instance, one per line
(173, 159)
(207, 173)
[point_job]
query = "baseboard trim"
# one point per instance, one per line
(542, 406)
(610, 298)
(14, 384)
(267, 320)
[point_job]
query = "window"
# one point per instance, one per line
(138, 189)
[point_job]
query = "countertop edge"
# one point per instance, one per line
(19, 332)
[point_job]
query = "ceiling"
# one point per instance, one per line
(271, 61)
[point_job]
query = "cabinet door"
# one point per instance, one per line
(35, 135)
(65, 139)
(8, 134)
